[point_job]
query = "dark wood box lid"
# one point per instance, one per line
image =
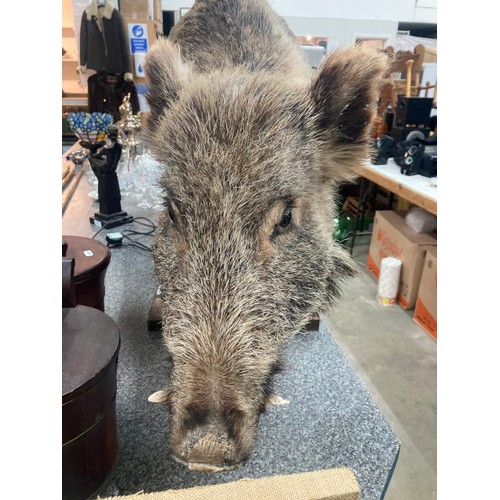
(91, 256)
(90, 342)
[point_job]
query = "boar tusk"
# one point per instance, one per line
(159, 397)
(276, 400)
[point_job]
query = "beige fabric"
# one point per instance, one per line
(330, 484)
(93, 10)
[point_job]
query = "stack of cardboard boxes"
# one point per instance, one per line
(143, 11)
(392, 237)
(426, 307)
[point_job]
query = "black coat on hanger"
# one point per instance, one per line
(103, 40)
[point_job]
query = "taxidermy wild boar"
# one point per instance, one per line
(253, 145)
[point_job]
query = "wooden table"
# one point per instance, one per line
(417, 189)
(71, 175)
(315, 431)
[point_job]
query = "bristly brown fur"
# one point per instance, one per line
(253, 145)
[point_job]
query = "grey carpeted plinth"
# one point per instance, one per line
(331, 420)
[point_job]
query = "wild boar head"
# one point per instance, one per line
(244, 250)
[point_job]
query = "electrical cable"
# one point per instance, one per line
(108, 223)
(128, 234)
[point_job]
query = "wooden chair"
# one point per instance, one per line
(402, 78)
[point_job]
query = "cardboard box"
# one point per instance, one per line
(135, 10)
(158, 16)
(158, 27)
(142, 10)
(391, 237)
(329, 484)
(426, 307)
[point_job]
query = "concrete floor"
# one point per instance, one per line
(396, 359)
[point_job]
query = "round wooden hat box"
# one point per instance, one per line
(90, 345)
(91, 262)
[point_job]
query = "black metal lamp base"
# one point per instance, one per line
(111, 220)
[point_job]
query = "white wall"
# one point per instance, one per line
(342, 32)
(176, 6)
(386, 10)
(395, 10)
(342, 20)
(425, 11)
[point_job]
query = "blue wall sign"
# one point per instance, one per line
(138, 35)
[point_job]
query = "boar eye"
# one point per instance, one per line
(285, 220)
(286, 217)
(171, 212)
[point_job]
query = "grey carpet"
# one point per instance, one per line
(331, 420)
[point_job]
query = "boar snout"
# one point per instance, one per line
(207, 450)
(211, 443)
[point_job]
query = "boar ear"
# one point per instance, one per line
(165, 73)
(345, 92)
